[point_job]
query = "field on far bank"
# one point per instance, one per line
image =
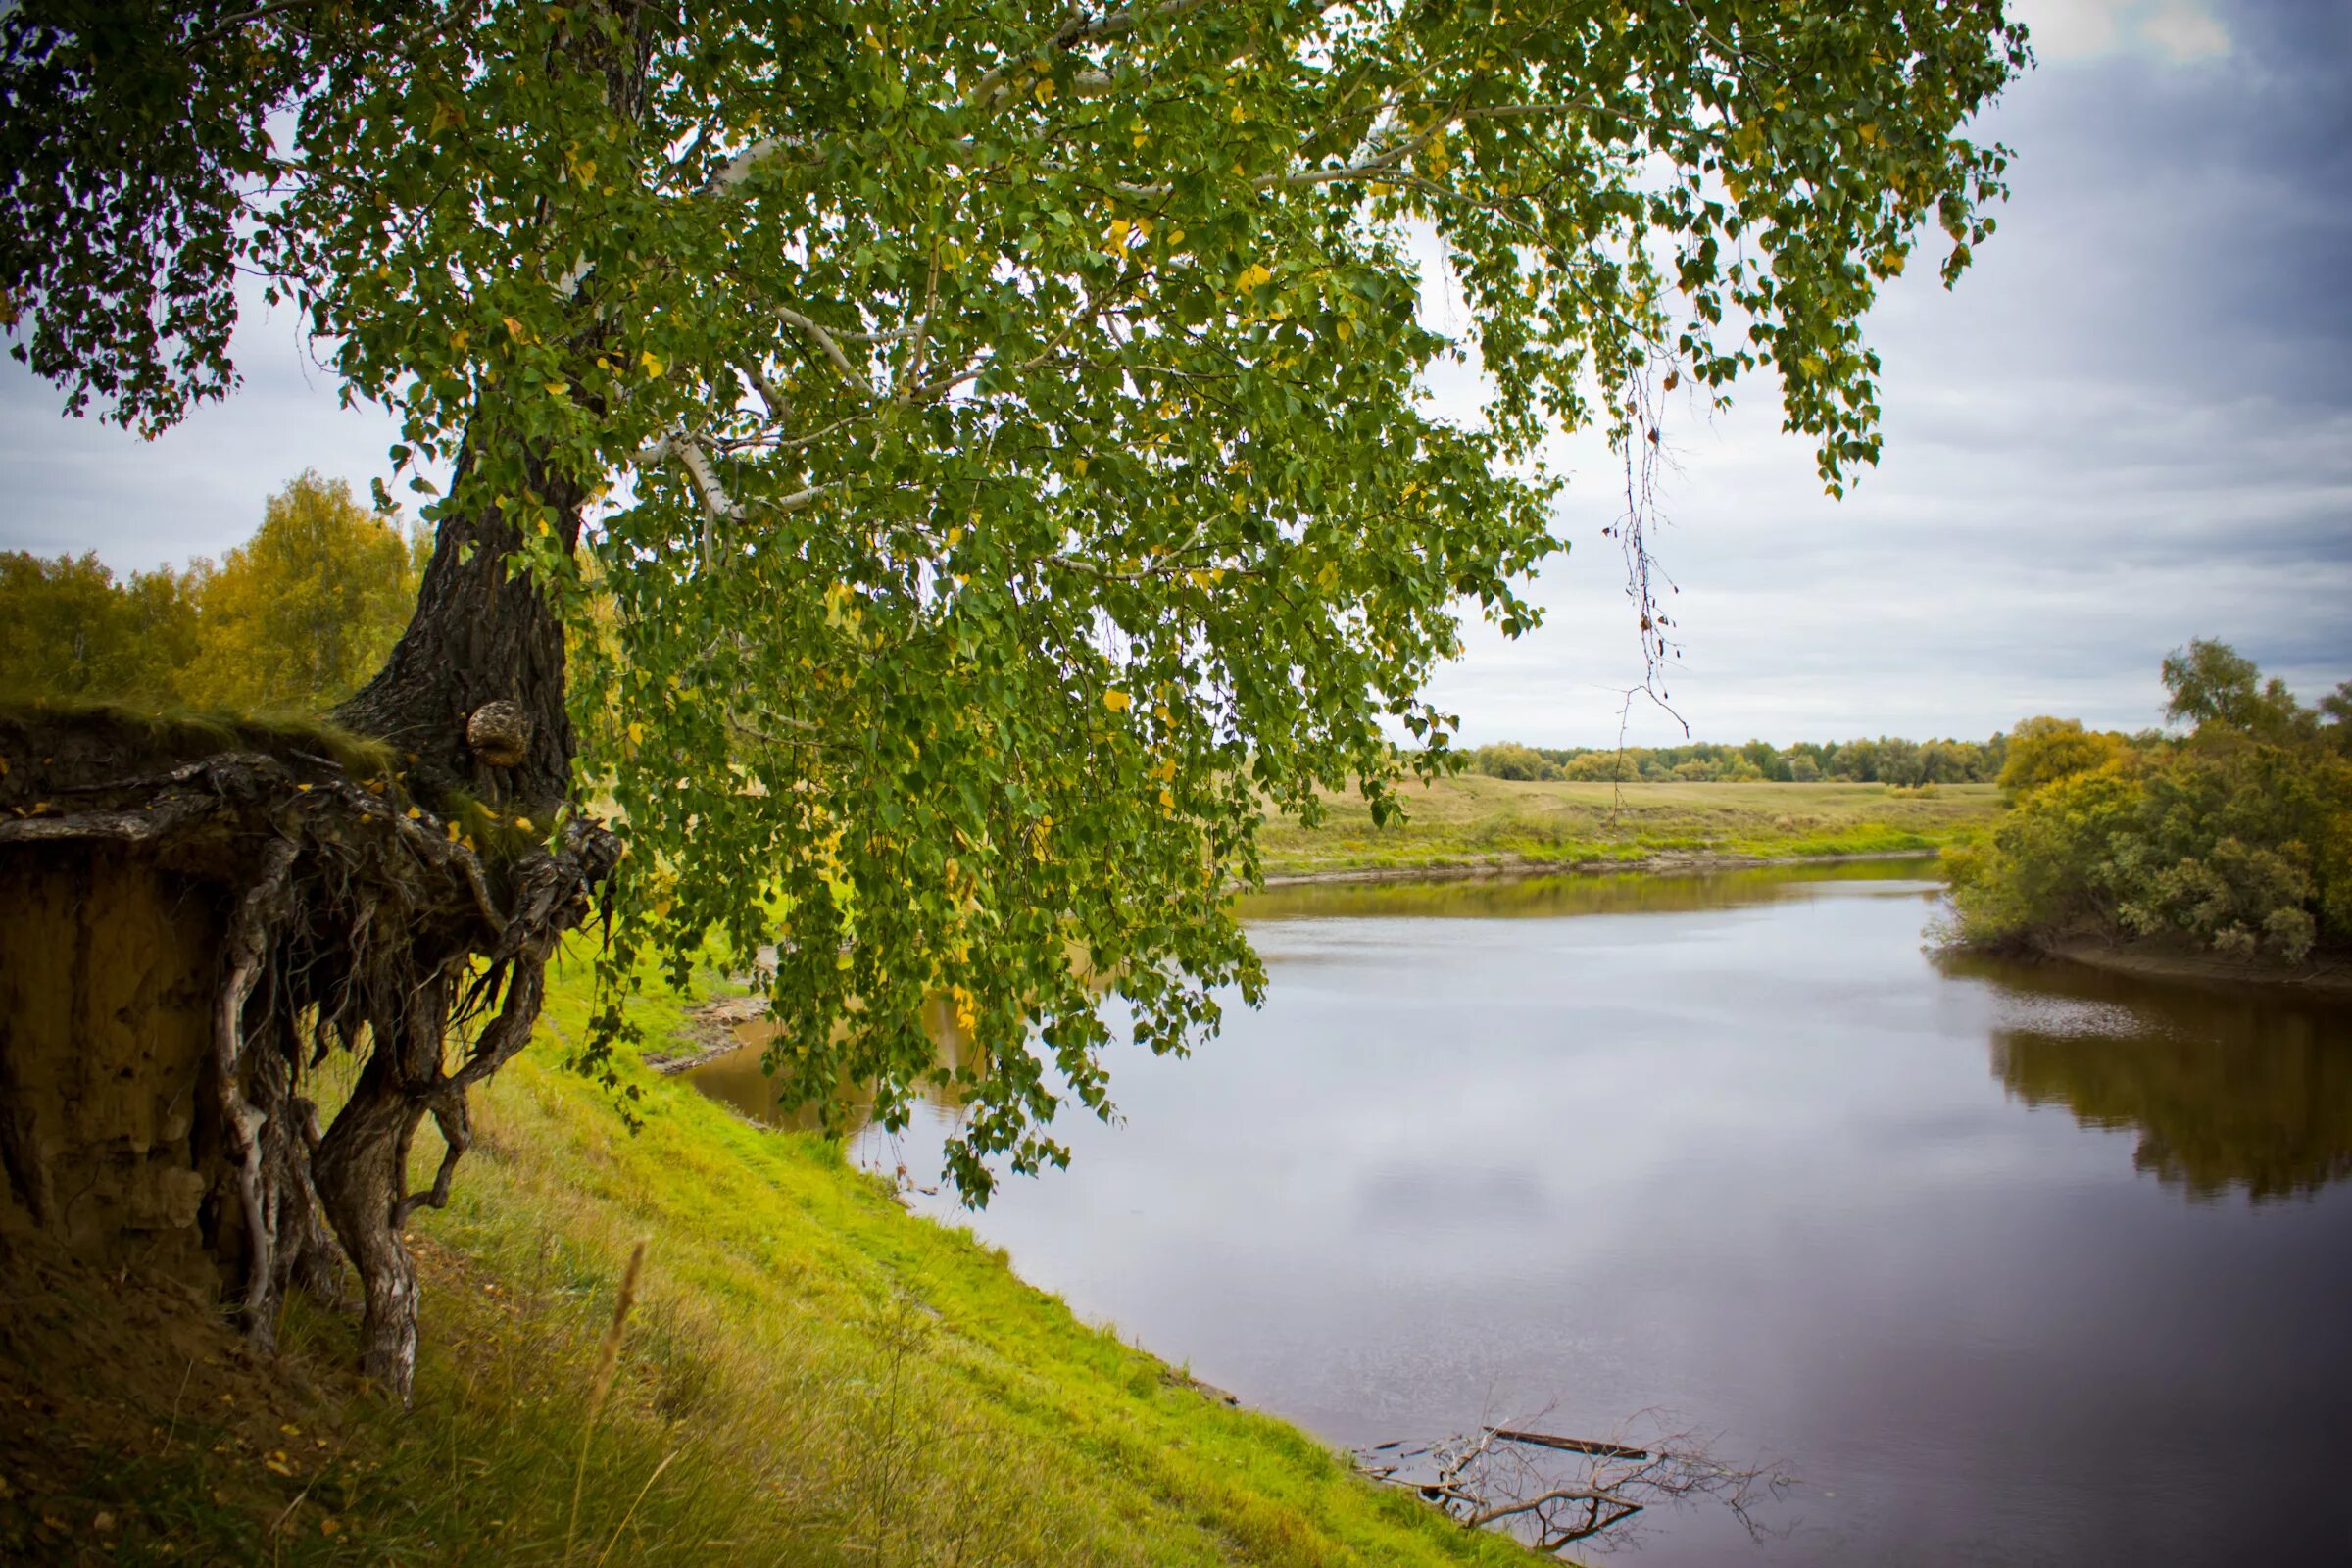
(1473, 820)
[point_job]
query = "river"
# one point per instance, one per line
(2008, 1263)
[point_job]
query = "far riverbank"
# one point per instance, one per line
(1669, 863)
(1472, 825)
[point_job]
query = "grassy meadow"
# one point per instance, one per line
(1473, 820)
(807, 1375)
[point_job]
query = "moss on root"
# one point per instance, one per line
(87, 732)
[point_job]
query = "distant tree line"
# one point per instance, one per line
(2234, 837)
(293, 619)
(1887, 760)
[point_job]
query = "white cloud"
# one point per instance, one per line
(2185, 31)
(2181, 31)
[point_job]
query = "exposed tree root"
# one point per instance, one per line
(357, 920)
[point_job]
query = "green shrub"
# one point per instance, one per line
(2238, 840)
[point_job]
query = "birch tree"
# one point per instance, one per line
(998, 434)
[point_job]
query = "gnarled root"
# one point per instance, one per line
(354, 922)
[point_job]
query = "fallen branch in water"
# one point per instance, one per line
(1489, 1477)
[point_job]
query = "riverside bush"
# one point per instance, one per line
(2235, 839)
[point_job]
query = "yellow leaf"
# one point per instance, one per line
(1045, 89)
(514, 327)
(524, 823)
(1078, 465)
(459, 339)
(1250, 278)
(653, 365)
(414, 814)
(1116, 701)
(559, 389)
(636, 733)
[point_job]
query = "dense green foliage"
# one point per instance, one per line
(69, 628)
(1012, 414)
(2236, 838)
(1888, 760)
(293, 619)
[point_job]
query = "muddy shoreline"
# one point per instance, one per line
(2330, 975)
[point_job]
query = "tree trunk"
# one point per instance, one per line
(479, 635)
(362, 1173)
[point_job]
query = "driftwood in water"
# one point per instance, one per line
(1546, 1439)
(1489, 1477)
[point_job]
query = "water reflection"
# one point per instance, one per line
(1725, 1147)
(741, 1080)
(1531, 898)
(2240, 1088)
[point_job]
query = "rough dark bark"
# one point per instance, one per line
(360, 1170)
(481, 634)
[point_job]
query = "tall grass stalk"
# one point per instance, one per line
(608, 1364)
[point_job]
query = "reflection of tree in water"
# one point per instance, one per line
(2227, 1088)
(1534, 898)
(741, 1080)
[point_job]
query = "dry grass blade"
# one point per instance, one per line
(608, 1364)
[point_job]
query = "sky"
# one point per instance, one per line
(2129, 426)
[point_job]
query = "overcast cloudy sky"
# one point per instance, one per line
(2131, 425)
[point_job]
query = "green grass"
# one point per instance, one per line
(810, 1375)
(1472, 820)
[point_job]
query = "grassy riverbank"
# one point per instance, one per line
(1473, 820)
(808, 1375)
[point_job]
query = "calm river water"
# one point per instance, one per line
(2009, 1263)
